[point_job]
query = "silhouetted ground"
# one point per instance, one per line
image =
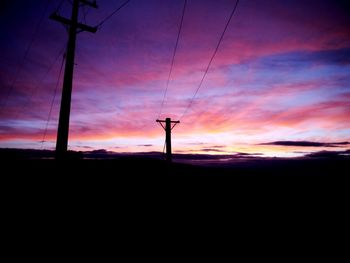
(100, 167)
(151, 164)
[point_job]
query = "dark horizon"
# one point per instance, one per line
(13, 153)
(109, 170)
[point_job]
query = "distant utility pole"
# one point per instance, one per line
(63, 124)
(168, 129)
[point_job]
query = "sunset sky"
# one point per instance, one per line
(281, 73)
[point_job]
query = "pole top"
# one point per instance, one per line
(167, 119)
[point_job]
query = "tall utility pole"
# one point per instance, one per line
(168, 129)
(73, 25)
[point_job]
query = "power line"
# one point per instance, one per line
(61, 52)
(53, 100)
(112, 14)
(211, 60)
(34, 90)
(173, 59)
(26, 53)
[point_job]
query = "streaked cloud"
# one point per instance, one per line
(307, 143)
(281, 74)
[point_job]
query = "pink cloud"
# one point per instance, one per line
(121, 74)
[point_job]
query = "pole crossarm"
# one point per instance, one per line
(160, 122)
(170, 121)
(68, 22)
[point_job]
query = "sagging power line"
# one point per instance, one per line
(210, 61)
(34, 90)
(25, 57)
(99, 25)
(168, 121)
(173, 58)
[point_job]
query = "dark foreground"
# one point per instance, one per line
(140, 192)
(147, 172)
(125, 168)
(141, 198)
